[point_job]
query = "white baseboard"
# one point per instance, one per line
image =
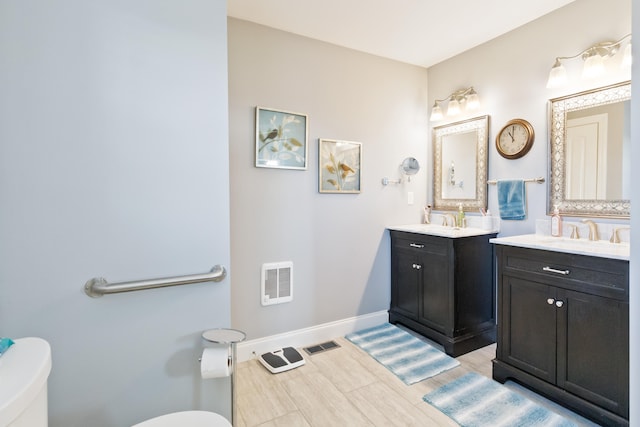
(247, 350)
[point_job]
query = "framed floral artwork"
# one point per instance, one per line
(281, 139)
(339, 166)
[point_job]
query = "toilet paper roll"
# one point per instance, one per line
(215, 362)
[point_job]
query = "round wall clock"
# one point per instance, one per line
(515, 139)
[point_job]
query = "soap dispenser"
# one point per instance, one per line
(556, 222)
(461, 220)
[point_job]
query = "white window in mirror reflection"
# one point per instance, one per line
(459, 177)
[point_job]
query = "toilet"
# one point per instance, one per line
(24, 369)
(187, 419)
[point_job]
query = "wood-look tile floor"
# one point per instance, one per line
(344, 387)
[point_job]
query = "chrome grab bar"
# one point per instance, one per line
(99, 286)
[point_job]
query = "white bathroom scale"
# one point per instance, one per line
(281, 360)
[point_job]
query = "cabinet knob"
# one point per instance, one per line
(416, 245)
(417, 266)
(559, 303)
(550, 301)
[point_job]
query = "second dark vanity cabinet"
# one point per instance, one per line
(443, 288)
(563, 329)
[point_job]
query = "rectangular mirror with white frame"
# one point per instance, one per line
(590, 148)
(460, 155)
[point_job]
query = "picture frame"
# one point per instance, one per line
(339, 166)
(281, 139)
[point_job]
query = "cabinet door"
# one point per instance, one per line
(593, 351)
(437, 309)
(528, 330)
(406, 274)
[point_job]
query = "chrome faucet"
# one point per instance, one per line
(593, 229)
(449, 220)
(615, 235)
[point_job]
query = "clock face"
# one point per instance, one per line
(515, 139)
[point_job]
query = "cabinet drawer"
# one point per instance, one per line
(421, 243)
(598, 276)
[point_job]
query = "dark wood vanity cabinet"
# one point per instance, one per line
(563, 329)
(443, 288)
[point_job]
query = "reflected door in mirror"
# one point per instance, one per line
(586, 157)
(595, 146)
(590, 147)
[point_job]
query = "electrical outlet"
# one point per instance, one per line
(410, 197)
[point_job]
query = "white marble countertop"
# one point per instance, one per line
(440, 230)
(600, 248)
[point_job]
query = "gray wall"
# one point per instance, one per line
(113, 163)
(278, 215)
(337, 242)
(510, 75)
(276, 218)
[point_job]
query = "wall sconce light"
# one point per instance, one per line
(593, 58)
(467, 96)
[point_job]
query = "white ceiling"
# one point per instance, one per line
(419, 32)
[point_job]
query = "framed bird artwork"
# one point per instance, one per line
(281, 139)
(339, 166)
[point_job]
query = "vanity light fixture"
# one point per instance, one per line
(467, 96)
(593, 58)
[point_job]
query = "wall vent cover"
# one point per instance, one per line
(277, 283)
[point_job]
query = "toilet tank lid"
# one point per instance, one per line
(24, 370)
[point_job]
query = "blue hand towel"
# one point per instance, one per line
(5, 343)
(511, 199)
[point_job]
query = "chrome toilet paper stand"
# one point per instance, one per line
(230, 337)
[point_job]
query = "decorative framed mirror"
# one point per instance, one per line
(590, 151)
(460, 156)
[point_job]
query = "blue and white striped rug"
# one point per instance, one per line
(476, 401)
(408, 357)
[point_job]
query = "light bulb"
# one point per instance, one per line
(473, 102)
(453, 108)
(436, 113)
(557, 75)
(593, 66)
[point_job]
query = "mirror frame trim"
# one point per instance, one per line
(557, 112)
(481, 126)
